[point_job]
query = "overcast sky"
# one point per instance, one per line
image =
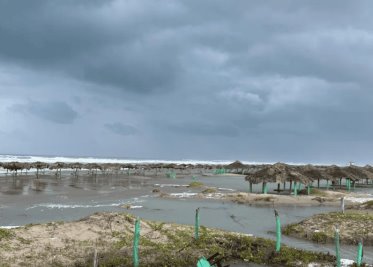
(251, 80)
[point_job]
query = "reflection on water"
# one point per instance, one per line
(69, 198)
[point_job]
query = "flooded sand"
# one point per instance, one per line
(25, 200)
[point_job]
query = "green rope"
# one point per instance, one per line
(136, 240)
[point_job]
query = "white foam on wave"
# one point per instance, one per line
(136, 207)
(87, 206)
(344, 263)
(226, 189)
(359, 199)
(171, 185)
(9, 227)
(183, 195)
(214, 195)
(52, 159)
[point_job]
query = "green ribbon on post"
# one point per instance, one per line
(136, 240)
(196, 225)
(202, 262)
(359, 258)
(265, 188)
(295, 189)
(278, 232)
(348, 184)
(337, 247)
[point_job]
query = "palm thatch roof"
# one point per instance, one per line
(313, 172)
(356, 173)
(277, 173)
(236, 165)
(336, 172)
(369, 170)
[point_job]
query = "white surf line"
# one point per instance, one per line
(214, 195)
(359, 199)
(9, 227)
(135, 207)
(75, 206)
(226, 189)
(183, 195)
(171, 185)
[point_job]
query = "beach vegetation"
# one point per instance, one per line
(354, 225)
(5, 233)
(209, 190)
(195, 184)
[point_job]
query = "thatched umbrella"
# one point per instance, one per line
(314, 173)
(236, 166)
(356, 173)
(276, 173)
(75, 166)
(13, 166)
(93, 166)
(337, 173)
(38, 165)
(58, 166)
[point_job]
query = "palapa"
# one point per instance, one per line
(236, 165)
(277, 173)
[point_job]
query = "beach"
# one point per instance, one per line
(223, 199)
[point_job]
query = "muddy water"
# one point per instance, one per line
(26, 200)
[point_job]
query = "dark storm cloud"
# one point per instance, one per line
(54, 111)
(121, 129)
(279, 80)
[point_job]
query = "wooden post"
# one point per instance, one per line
(291, 184)
(343, 205)
(278, 188)
(318, 182)
(251, 187)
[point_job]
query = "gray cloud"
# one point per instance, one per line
(205, 129)
(267, 81)
(53, 111)
(121, 129)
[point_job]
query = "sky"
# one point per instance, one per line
(263, 81)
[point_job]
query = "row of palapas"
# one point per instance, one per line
(16, 166)
(274, 173)
(306, 174)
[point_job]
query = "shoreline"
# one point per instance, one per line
(328, 198)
